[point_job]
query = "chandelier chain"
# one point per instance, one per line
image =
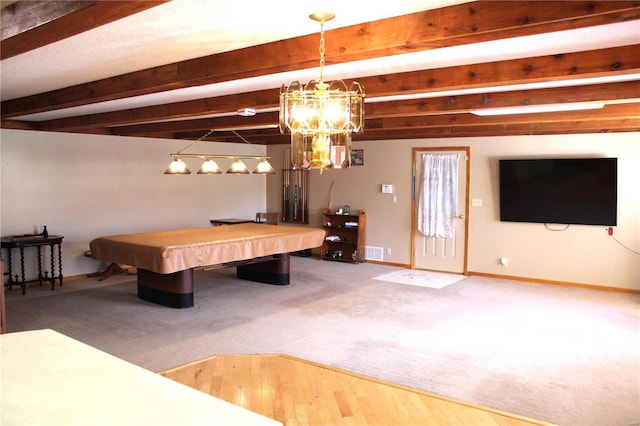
(322, 50)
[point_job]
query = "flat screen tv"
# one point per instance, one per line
(566, 191)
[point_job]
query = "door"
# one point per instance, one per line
(437, 253)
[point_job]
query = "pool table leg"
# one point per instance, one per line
(274, 272)
(173, 290)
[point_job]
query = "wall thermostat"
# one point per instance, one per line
(387, 188)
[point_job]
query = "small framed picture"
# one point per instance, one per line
(346, 209)
(357, 157)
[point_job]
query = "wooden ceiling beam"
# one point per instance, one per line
(495, 130)
(255, 136)
(444, 27)
(557, 67)
(429, 106)
(470, 23)
(594, 63)
(28, 25)
(445, 129)
(201, 124)
(410, 33)
(628, 90)
(19, 125)
(612, 118)
(609, 112)
(178, 110)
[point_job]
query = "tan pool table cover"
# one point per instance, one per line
(166, 252)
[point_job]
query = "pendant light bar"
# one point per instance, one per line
(210, 167)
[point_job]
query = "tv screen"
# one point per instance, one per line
(566, 191)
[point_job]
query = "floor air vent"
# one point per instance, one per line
(373, 253)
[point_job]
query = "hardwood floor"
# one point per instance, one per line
(299, 392)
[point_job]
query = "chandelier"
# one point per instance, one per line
(210, 167)
(321, 116)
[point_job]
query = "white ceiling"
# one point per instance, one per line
(186, 29)
(181, 30)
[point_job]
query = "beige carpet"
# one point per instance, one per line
(565, 355)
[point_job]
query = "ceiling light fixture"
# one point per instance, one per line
(321, 116)
(532, 109)
(246, 112)
(210, 167)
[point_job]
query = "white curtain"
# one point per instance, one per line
(438, 200)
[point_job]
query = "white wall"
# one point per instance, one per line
(86, 186)
(581, 254)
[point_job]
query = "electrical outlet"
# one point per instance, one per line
(388, 251)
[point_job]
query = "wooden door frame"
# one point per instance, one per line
(414, 204)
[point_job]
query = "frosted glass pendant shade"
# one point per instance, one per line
(177, 167)
(209, 167)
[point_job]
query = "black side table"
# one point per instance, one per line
(22, 242)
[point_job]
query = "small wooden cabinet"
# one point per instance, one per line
(344, 239)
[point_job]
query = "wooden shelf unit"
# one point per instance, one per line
(350, 239)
